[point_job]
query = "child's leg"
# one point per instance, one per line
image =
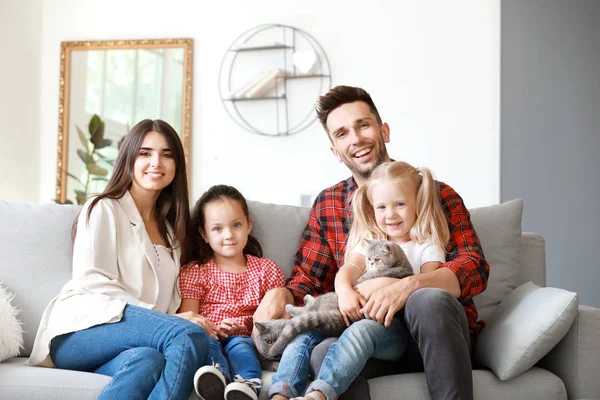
(347, 357)
(216, 356)
(292, 374)
(242, 357)
(210, 380)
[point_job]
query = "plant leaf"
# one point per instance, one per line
(94, 169)
(84, 141)
(98, 136)
(74, 177)
(103, 143)
(80, 196)
(85, 156)
(100, 178)
(94, 124)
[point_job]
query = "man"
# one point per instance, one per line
(442, 323)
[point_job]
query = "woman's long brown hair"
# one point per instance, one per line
(172, 205)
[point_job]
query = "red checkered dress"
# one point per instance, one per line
(321, 252)
(229, 295)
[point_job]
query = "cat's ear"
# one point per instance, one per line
(260, 326)
(368, 241)
(387, 247)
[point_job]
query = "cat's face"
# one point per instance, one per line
(381, 254)
(266, 341)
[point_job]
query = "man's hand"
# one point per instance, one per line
(386, 302)
(228, 327)
(350, 303)
(272, 306)
(368, 287)
(198, 319)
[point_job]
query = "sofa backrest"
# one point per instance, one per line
(36, 250)
(35, 257)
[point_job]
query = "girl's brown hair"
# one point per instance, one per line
(202, 250)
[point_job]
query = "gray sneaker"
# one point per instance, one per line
(209, 383)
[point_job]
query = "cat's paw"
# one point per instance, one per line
(308, 299)
(290, 309)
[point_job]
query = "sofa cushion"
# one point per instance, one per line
(279, 229)
(499, 230)
(35, 257)
(11, 334)
(20, 381)
(524, 328)
(535, 384)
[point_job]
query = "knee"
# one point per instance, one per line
(193, 339)
(432, 304)
(153, 359)
(363, 329)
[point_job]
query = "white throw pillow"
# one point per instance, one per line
(11, 334)
(526, 326)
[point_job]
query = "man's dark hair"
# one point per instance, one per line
(340, 95)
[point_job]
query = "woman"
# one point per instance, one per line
(111, 318)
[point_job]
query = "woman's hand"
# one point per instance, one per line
(198, 319)
(350, 302)
(228, 327)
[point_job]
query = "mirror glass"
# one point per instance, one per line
(106, 88)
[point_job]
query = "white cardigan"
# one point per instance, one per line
(114, 264)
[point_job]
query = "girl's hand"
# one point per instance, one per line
(228, 327)
(350, 302)
(198, 319)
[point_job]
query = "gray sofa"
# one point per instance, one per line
(35, 262)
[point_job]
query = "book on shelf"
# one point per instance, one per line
(266, 85)
(241, 91)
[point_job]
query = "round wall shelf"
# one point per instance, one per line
(270, 78)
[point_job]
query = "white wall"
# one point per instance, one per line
(19, 100)
(432, 68)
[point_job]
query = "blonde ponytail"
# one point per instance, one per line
(364, 225)
(431, 221)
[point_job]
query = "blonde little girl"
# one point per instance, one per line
(399, 203)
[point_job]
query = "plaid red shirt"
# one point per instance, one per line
(324, 243)
(229, 295)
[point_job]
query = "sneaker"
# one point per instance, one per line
(209, 383)
(242, 389)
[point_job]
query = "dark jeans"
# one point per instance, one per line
(439, 335)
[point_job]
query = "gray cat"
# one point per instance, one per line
(383, 259)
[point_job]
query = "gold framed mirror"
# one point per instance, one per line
(106, 87)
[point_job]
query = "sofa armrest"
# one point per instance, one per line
(576, 358)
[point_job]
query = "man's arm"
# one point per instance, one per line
(465, 257)
(313, 273)
(315, 267)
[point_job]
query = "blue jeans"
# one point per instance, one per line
(236, 356)
(344, 361)
(149, 354)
